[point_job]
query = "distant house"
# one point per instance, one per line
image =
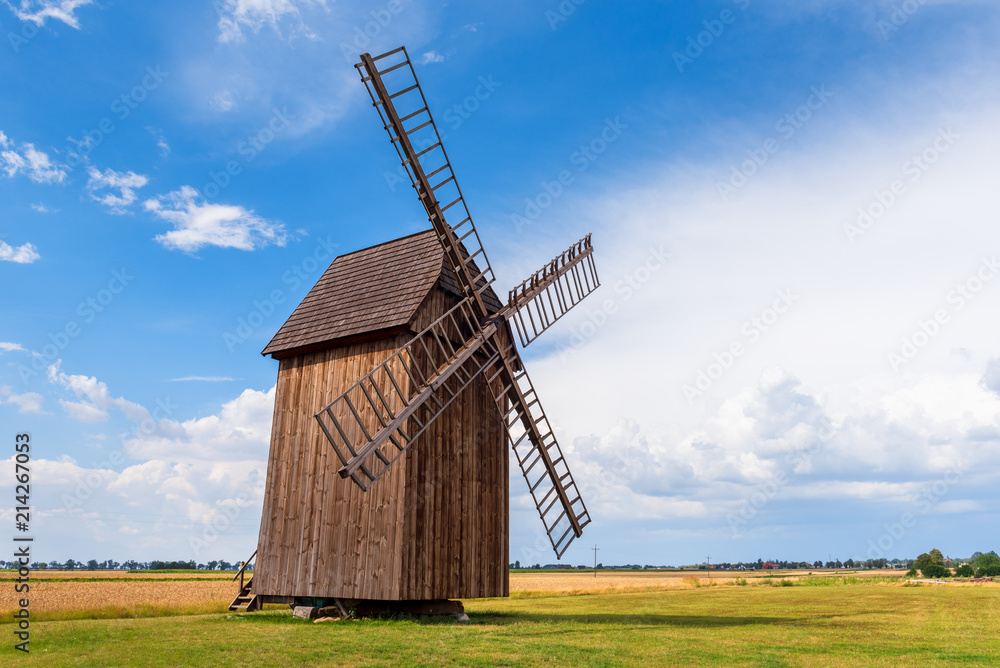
(767, 565)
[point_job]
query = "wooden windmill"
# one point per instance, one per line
(426, 417)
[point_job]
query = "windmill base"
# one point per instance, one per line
(363, 607)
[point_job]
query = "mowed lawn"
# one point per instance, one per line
(847, 625)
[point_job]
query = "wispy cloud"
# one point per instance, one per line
(7, 346)
(235, 16)
(41, 208)
(23, 254)
(198, 223)
(124, 182)
(37, 11)
(431, 57)
(161, 141)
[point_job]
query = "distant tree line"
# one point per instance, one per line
(980, 564)
(934, 565)
(130, 565)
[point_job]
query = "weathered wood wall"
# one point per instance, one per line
(435, 526)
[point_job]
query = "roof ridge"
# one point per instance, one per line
(384, 243)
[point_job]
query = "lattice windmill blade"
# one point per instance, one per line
(396, 94)
(379, 417)
(553, 290)
(538, 454)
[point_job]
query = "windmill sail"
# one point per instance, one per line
(369, 426)
(396, 94)
(553, 290)
(538, 454)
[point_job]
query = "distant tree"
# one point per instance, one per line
(42, 565)
(212, 564)
(983, 561)
(912, 573)
(936, 557)
(70, 565)
(92, 565)
(965, 571)
(517, 564)
(935, 571)
(225, 566)
(922, 560)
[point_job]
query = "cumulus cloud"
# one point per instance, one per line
(240, 431)
(238, 15)
(94, 398)
(431, 57)
(991, 379)
(38, 11)
(29, 402)
(35, 164)
(882, 452)
(198, 223)
(24, 254)
(7, 346)
(124, 182)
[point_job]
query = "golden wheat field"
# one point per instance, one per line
(71, 594)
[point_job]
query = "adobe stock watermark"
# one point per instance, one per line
(363, 34)
(122, 107)
(957, 299)
(912, 170)
(294, 277)
(581, 159)
(221, 523)
(929, 496)
(562, 12)
(625, 289)
(704, 39)
(899, 17)
(786, 127)
(752, 330)
(455, 117)
(88, 311)
(249, 148)
(763, 492)
(106, 470)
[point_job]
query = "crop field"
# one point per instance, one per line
(551, 619)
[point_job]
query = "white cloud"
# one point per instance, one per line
(7, 346)
(161, 141)
(124, 182)
(37, 11)
(222, 101)
(29, 402)
(237, 15)
(240, 431)
(35, 164)
(431, 57)
(40, 208)
(95, 398)
(991, 379)
(200, 224)
(24, 254)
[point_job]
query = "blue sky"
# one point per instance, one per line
(794, 351)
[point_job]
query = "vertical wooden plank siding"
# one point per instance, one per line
(435, 526)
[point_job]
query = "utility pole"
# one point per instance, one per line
(595, 560)
(708, 565)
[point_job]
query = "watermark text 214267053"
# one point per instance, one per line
(22, 541)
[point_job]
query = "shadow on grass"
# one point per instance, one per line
(692, 621)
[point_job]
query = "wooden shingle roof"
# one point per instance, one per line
(376, 289)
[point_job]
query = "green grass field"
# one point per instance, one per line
(846, 625)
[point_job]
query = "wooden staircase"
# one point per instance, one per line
(245, 601)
